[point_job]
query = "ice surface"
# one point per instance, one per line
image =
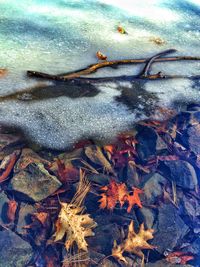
(58, 36)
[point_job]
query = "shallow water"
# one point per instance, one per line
(61, 36)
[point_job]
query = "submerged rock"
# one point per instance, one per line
(170, 229)
(34, 184)
(3, 204)
(193, 139)
(14, 251)
(24, 217)
(149, 143)
(153, 188)
(182, 173)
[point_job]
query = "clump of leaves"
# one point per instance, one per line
(134, 243)
(118, 193)
(71, 222)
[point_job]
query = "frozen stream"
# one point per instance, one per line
(63, 35)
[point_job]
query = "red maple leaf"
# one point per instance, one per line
(118, 193)
(179, 257)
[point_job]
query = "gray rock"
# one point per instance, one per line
(149, 143)
(170, 229)
(182, 173)
(193, 247)
(97, 257)
(14, 251)
(24, 216)
(104, 238)
(147, 216)
(193, 139)
(3, 201)
(34, 184)
(153, 188)
(100, 179)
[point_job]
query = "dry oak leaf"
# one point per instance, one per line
(71, 221)
(75, 225)
(134, 243)
(118, 192)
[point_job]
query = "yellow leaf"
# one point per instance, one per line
(71, 221)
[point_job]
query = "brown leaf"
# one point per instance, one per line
(121, 30)
(134, 243)
(67, 174)
(7, 165)
(71, 221)
(3, 72)
(100, 55)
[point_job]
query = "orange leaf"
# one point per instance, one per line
(134, 199)
(110, 148)
(118, 193)
(110, 197)
(7, 166)
(122, 193)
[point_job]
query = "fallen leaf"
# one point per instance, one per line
(157, 40)
(3, 72)
(134, 243)
(121, 30)
(118, 193)
(66, 174)
(179, 257)
(134, 199)
(7, 165)
(71, 221)
(100, 55)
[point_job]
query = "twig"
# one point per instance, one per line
(146, 71)
(93, 68)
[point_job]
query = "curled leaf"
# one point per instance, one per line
(100, 55)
